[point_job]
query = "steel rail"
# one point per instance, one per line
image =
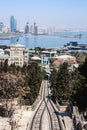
(46, 103)
(55, 119)
(40, 111)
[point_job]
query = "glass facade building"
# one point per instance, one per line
(35, 29)
(27, 28)
(13, 24)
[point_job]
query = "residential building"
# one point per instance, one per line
(26, 56)
(65, 58)
(17, 55)
(5, 29)
(45, 60)
(21, 30)
(47, 53)
(47, 56)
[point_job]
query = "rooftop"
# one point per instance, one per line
(64, 56)
(17, 45)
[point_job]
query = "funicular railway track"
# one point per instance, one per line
(45, 106)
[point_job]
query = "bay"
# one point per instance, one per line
(47, 41)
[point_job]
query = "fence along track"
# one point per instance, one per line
(35, 124)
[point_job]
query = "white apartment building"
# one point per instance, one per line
(17, 55)
(26, 56)
(5, 29)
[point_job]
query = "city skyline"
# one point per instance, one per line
(59, 14)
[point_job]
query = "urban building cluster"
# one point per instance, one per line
(32, 29)
(13, 27)
(28, 28)
(19, 55)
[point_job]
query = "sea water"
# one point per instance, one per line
(46, 41)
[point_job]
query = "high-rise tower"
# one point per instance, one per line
(35, 29)
(13, 24)
(27, 28)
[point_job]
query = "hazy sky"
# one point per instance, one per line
(55, 13)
